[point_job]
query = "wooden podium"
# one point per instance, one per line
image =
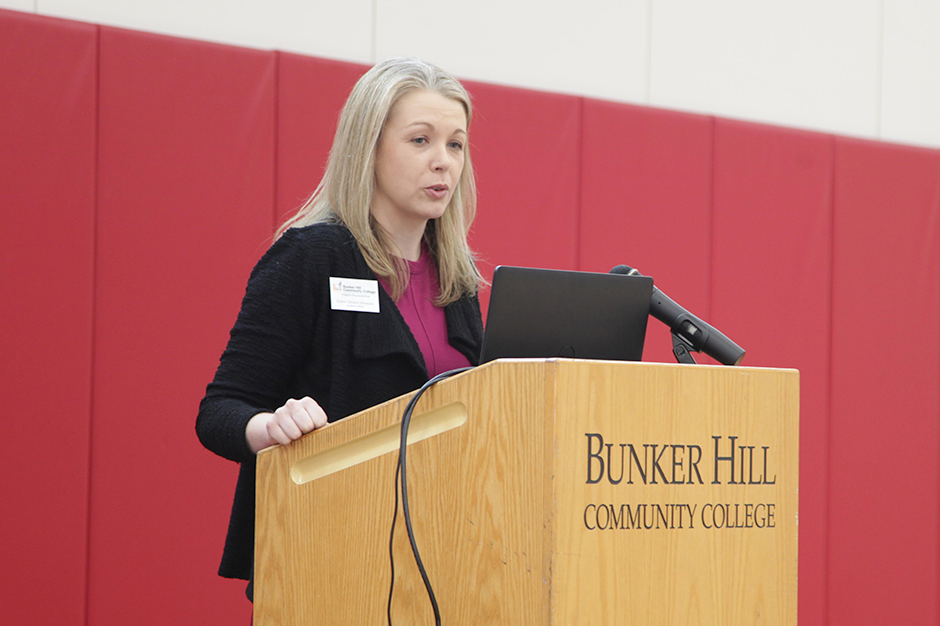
(545, 492)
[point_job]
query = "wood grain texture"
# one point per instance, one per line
(498, 505)
(677, 571)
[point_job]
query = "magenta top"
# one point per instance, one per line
(427, 321)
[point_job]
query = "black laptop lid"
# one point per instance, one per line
(539, 313)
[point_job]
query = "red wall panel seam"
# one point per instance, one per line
(937, 208)
(277, 120)
(829, 365)
(94, 320)
(580, 183)
(710, 255)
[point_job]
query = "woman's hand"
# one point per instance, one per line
(290, 422)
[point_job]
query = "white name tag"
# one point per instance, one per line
(354, 294)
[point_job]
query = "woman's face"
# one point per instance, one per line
(419, 159)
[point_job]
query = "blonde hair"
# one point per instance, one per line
(345, 193)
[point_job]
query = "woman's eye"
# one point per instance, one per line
(420, 140)
(456, 145)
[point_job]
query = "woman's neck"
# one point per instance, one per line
(406, 237)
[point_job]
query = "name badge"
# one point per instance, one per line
(354, 294)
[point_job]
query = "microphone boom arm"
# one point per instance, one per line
(688, 331)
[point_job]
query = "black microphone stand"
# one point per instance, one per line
(681, 348)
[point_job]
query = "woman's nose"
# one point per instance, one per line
(440, 160)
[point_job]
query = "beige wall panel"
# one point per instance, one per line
(806, 63)
(594, 47)
(18, 5)
(317, 27)
(910, 107)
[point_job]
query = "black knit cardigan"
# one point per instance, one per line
(288, 343)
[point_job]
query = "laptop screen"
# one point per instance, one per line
(540, 313)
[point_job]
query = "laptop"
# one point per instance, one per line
(541, 313)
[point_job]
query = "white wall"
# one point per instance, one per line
(868, 68)
(806, 63)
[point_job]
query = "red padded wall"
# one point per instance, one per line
(310, 94)
(48, 74)
(884, 515)
(185, 209)
(646, 202)
(771, 281)
(525, 150)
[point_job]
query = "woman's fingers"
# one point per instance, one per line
(316, 413)
(294, 419)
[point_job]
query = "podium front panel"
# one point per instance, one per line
(480, 504)
(676, 492)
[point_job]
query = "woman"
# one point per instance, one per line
(393, 209)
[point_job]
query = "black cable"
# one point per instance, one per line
(391, 550)
(401, 480)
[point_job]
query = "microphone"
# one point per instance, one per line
(698, 334)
